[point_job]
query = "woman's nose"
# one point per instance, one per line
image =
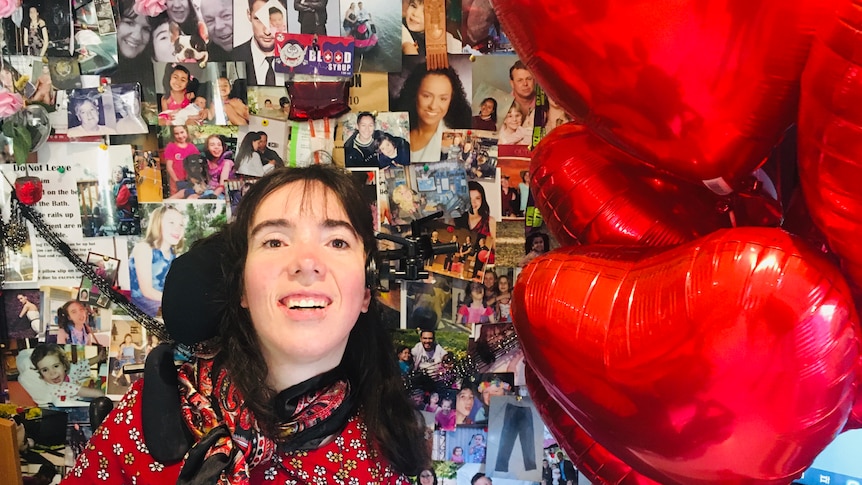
(306, 264)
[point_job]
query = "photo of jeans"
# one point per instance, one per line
(518, 424)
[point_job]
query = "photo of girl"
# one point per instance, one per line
(75, 320)
(435, 100)
(413, 30)
(177, 107)
(49, 376)
(512, 133)
(151, 258)
(474, 310)
(176, 152)
(220, 166)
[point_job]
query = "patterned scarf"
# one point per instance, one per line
(228, 441)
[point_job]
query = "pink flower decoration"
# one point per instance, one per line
(10, 103)
(7, 7)
(149, 8)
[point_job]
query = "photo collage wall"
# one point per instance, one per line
(160, 123)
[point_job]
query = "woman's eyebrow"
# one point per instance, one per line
(278, 223)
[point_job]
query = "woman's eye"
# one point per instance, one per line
(272, 243)
(340, 244)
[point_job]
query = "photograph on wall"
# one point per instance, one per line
(255, 26)
(376, 28)
(189, 94)
(367, 179)
(39, 29)
(514, 439)
(23, 317)
(444, 102)
(169, 229)
(255, 156)
(21, 264)
(30, 77)
(507, 74)
(70, 321)
(130, 344)
(106, 268)
(108, 194)
(429, 304)
(149, 175)
(91, 113)
(268, 102)
(60, 375)
(489, 104)
(413, 29)
(549, 113)
(497, 348)
(95, 40)
(419, 191)
(198, 160)
(376, 140)
(490, 386)
(475, 150)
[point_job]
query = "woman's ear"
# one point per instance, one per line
(367, 300)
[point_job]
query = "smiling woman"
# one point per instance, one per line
(303, 369)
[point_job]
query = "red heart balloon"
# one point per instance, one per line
(589, 457)
(702, 89)
(730, 359)
(830, 138)
(588, 194)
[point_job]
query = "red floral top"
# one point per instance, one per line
(117, 454)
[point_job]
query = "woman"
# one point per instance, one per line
(248, 159)
(349, 18)
(478, 218)
(464, 403)
(73, 318)
(219, 164)
(133, 33)
(299, 325)
(36, 35)
(152, 257)
(487, 117)
(435, 101)
(427, 477)
(31, 312)
(512, 133)
(183, 14)
(175, 153)
(413, 31)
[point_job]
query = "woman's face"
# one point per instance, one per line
(513, 119)
(88, 114)
(128, 339)
(475, 200)
(491, 391)
(34, 14)
(163, 49)
(215, 147)
(257, 144)
(181, 134)
(433, 98)
(173, 227)
(133, 35)
(179, 81)
(77, 314)
(464, 403)
(51, 369)
(415, 16)
(426, 478)
(178, 10)
(486, 109)
(22, 298)
(404, 356)
(489, 279)
(304, 277)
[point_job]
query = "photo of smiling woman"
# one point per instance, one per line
(436, 101)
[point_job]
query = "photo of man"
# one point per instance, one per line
(218, 18)
(259, 50)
